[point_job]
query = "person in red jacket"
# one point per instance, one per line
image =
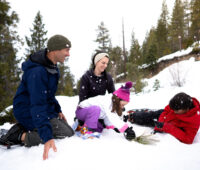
(181, 118)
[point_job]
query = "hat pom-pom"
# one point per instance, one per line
(128, 85)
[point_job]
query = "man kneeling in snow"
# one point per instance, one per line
(35, 107)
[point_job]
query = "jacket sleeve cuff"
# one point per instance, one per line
(122, 129)
(45, 133)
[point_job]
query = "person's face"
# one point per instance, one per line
(102, 64)
(123, 103)
(181, 111)
(62, 54)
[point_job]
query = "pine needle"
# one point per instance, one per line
(146, 139)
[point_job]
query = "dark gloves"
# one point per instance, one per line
(116, 130)
(159, 124)
(129, 118)
(125, 118)
(113, 127)
(129, 133)
(158, 127)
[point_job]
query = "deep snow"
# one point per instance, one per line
(112, 150)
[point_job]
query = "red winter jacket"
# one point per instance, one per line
(182, 126)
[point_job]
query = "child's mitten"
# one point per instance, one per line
(129, 133)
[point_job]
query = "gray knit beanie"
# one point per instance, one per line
(58, 42)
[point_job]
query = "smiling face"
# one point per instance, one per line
(60, 55)
(101, 65)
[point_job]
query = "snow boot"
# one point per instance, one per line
(13, 136)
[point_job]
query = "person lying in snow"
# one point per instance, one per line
(181, 118)
(95, 112)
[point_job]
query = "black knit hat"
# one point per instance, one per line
(181, 101)
(58, 42)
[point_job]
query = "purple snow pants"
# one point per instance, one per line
(90, 115)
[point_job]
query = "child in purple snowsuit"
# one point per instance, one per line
(96, 111)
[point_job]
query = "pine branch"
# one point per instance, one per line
(146, 139)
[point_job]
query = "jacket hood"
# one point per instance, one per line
(196, 106)
(192, 112)
(37, 59)
(195, 110)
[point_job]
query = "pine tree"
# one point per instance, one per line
(156, 85)
(78, 85)
(69, 87)
(103, 38)
(187, 19)
(144, 48)
(150, 51)
(9, 72)
(176, 30)
(66, 81)
(38, 38)
(162, 31)
(195, 20)
(151, 59)
(134, 61)
(116, 62)
(135, 51)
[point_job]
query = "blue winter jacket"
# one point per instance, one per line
(35, 103)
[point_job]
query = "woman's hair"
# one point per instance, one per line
(181, 101)
(116, 105)
(93, 57)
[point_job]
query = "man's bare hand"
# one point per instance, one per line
(48, 145)
(62, 116)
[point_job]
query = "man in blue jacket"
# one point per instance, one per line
(35, 107)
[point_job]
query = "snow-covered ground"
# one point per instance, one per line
(176, 54)
(112, 150)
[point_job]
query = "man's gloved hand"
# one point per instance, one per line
(129, 133)
(159, 124)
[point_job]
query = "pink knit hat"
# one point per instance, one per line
(124, 91)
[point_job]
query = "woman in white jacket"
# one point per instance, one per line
(97, 112)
